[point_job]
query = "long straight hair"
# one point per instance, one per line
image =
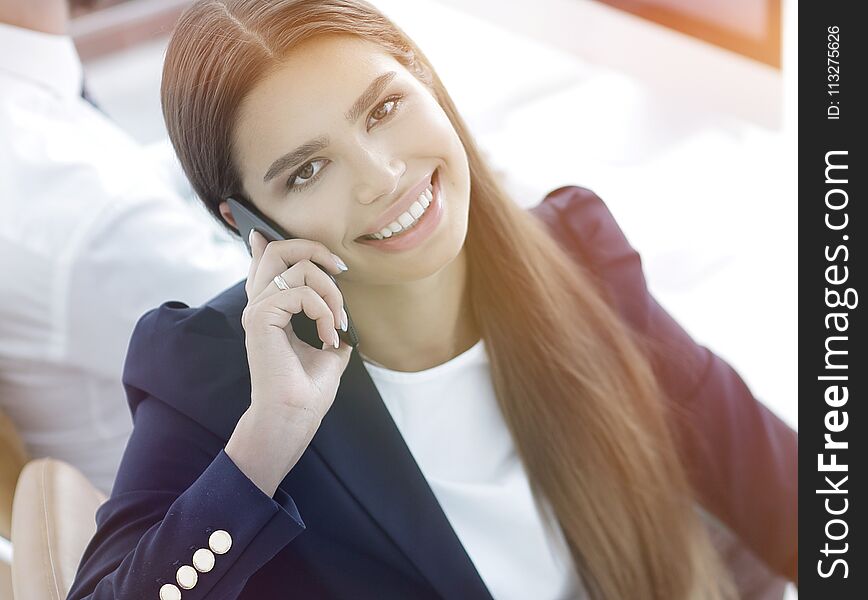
(584, 408)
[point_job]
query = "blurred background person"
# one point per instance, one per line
(92, 235)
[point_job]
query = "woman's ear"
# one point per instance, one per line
(226, 213)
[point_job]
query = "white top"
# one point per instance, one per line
(91, 236)
(452, 424)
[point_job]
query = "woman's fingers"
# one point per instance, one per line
(307, 273)
(257, 247)
(294, 260)
(276, 310)
(279, 255)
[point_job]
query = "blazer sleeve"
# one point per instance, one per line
(176, 486)
(741, 459)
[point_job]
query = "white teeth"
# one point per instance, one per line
(406, 219)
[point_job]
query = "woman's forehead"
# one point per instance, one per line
(325, 69)
(307, 95)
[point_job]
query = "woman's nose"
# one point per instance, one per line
(377, 178)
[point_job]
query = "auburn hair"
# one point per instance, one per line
(584, 408)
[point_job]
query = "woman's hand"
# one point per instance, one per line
(293, 384)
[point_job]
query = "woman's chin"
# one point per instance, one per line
(443, 252)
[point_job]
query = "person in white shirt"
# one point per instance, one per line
(92, 235)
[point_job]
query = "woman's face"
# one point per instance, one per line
(366, 153)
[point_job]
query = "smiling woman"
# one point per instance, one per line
(372, 139)
(576, 448)
(287, 75)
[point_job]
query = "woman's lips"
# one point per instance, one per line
(419, 232)
(401, 206)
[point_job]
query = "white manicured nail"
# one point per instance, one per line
(341, 264)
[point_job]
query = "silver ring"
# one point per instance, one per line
(280, 282)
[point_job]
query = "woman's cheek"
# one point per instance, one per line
(446, 143)
(436, 136)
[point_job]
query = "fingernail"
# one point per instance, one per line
(341, 265)
(250, 237)
(337, 339)
(344, 319)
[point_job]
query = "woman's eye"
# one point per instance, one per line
(385, 110)
(306, 175)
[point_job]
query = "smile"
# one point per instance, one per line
(407, 219)
(413, 225)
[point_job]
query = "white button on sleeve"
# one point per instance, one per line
(220, 542)
(170, 592)
(203, 560)
(187, 577)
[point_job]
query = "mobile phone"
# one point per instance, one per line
(247, 218)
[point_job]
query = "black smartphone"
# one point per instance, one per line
(247, 218)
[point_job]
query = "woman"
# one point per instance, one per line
(520, 418)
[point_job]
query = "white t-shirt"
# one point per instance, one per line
(452, 424)
(92, 235)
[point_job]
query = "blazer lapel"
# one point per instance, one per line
(357, 439)
(361, 443)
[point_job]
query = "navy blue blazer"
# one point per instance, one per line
(355, 517)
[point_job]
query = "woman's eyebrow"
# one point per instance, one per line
(290, 159)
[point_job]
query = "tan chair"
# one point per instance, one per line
(13, 457)
(52, 523)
